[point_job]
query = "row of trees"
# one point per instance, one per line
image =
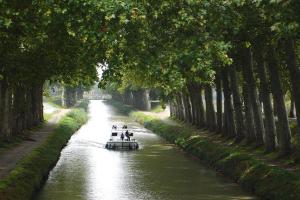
(138, 98)
(248, 51)
(39, 41)
(64, 95)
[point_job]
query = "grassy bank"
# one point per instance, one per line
(265, 181)
(33, 170)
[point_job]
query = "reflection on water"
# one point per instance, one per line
(158, 171)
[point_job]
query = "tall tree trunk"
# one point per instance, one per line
(198, 113)
(7, 112)
(238, 107)
(183, 107)
(193, 103)
(294, 71)
(253, 99)
(284, 132)
(219, 103)
(1, 108)
(292, 108)
(180, 107)
(142, 100)
(207, 108)
(201, 107)
(18, 109)
(70, 96)
(79, 92)
(210, 109)
(249, 122)
(35, 105)
(63, 96)
(270, 128)
(229, 119)
(172, 109)
(40, 107)
(29, 115)
(187, 106)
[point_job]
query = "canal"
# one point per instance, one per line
(158, 171)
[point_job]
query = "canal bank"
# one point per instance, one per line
(262, 179)
(32, 170)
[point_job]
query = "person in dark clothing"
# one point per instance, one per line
(127, 135)
(122, 136)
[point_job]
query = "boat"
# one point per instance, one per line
(119, 142)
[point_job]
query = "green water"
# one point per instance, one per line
(158, 171)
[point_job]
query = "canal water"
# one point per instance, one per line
(158, 171)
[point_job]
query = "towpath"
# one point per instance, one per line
(10, 157)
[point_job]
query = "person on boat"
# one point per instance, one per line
(122, 136)
(125, 127)
(127, 135)
(114, 127)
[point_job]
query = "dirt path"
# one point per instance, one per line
(10, 157)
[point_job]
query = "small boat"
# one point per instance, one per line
(121, 139)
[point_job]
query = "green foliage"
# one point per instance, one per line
(78, 115)
(32, 170)
(84, 104)
(157, 109)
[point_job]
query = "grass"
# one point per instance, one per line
(83, 104)
(244, 167)
(157, 109)
(54, 101)
(33, 170)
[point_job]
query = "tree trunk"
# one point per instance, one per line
(210, 109)
(1, 108)
(7, 112)
(29, 115)
(39, 97)
(238, 107)
(292, 108)
(187, 106)
(141, 99)
(249, 77)
(219, 102)
(249, 122)
(70, 96)
(294, 71)
(180, 107)
(193, 103)
(198, 113)
(201, 116)
(172, 108)
(63, 96)
(270, 128)
(228, 108)
(183, 107)
(284, 132)
(79, 92)
(18, 109)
